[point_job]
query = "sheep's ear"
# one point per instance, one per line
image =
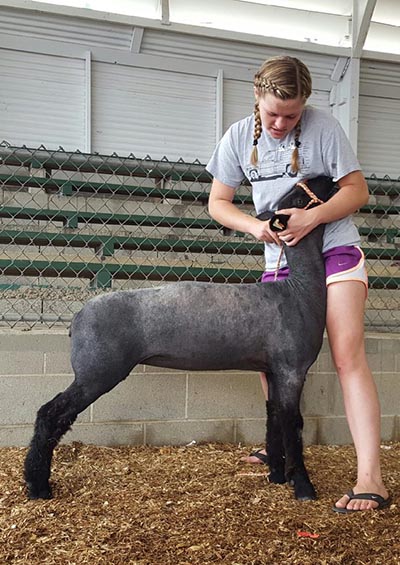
(279, 222)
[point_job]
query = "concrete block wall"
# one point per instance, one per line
(159, 406)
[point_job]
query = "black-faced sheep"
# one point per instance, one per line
(275, 327)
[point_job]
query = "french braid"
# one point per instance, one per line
(257, 134)
(286, 78)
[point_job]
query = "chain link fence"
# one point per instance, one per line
(73, 225)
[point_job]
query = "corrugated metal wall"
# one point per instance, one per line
(238, 101)
(228, 53)
(145, 111)
(134, 109)
(42, 100)
(41, 25)
(379, 118)
(157, 109)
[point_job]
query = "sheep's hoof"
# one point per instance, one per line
(304, 492)
(35, 493)
(304, 498)
(277, 477)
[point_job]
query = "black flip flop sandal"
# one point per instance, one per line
(261, 456)
(382, 502)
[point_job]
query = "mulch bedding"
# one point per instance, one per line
(184, 505)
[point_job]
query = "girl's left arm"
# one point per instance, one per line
(352, 194)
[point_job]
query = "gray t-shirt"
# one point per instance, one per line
(324, 150)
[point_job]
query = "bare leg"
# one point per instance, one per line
(252, 458)
(264, 385)
(345, 325)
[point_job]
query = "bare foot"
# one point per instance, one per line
(360, 504)
(258, 457)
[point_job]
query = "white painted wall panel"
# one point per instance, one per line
(135, 109)
(379, 73)
(41, 100)
(235, 53)
(379, 136)
(41, 25)
(238, 101)
(379, 119)
(152, 112)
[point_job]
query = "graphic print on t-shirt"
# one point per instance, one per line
(276, 163)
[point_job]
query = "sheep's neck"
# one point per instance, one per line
(305, 260)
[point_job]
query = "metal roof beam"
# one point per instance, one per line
(165, 12)
(362, 14)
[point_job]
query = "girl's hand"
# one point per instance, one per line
(262, 232)
(300, 223)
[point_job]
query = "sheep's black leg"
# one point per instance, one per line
(275, 451)
(99, 366)
(295, 470)
(284, 403)
(53, 419)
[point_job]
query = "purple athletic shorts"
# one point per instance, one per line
(343, 263)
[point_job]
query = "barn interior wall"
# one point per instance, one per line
(157, 406)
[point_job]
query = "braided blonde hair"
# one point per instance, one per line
(286, 78)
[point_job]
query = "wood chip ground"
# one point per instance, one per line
(191, 505)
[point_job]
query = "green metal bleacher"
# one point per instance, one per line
(102, 270)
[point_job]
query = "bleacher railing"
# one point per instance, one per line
(73, 225)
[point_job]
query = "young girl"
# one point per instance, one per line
(285, 141)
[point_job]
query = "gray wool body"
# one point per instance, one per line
(203, 326)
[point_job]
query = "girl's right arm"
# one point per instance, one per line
(222, 209)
